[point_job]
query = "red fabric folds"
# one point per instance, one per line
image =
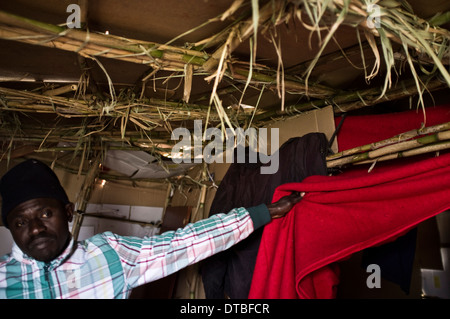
(344, 214)
(340, 215)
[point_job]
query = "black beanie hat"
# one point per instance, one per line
(29, 180)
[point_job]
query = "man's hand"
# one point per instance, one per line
(284, 205)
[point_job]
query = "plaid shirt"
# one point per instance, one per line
(109, 266)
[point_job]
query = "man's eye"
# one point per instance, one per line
(20, 223)
(46, 214)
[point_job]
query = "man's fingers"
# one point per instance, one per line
(298, 196)
(301, 194)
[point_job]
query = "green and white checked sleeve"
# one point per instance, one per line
(151, 258)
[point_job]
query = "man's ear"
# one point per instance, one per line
(69, 211)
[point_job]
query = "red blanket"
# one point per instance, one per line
(339, 216)
(344, 214)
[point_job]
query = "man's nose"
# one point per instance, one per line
(37, 226)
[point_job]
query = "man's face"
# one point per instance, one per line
(40, 227)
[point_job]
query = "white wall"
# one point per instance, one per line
(6, 241)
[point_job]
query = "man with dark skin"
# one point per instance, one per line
(40, 226)
(39, 216)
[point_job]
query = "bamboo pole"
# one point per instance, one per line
(145, 109)
(154, 58)
(131, 138)
(440, 136)
(407, 89)
(61, 90)
(391, 149)
(84, 195)
(118, 45)
(198, 215)
(392, 140)
(297, 86)
(348, 101)
(435, 147)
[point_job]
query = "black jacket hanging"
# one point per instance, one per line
(230, 273)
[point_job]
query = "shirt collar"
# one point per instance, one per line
(20, 256)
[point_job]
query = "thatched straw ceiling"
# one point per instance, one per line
(163, 64)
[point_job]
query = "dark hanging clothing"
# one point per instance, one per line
(395, 258)
(230, 272)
